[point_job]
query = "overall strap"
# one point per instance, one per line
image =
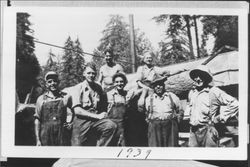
(151, 105)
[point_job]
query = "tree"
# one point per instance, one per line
(72, 65)
(27, 65)
(196, 35)
(223, 28)
(177, 46)
(78, 61)
(116, 36)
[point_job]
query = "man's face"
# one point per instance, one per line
(108, 57)
(52, 84)
(159, 88)
(119, 83)
(89, 74)
(148, 59)
(198, 81)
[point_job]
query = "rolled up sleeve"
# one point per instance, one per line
(139, 75)
(231, 103)
(39, 103)
(232, 106)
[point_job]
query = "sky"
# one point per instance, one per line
(54, 26)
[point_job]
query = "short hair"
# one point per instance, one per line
(110, 51)
(91, 65)
(123, 76)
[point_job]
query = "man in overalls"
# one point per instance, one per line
(164, 113)
(204, 103)
(90, 125)
(51, 114)
(108, 70)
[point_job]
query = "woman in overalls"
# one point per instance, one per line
(118, 100)
(51, 126)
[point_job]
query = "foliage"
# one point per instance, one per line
(176, 46)
(223, 28)
(116, 36)
(72, 64)
(27, 65)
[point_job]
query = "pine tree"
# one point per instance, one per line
(67, 72)
(116, 36)
(73, 64)
(223, 28)
(78, 61)
(177, 46)
(27, 65)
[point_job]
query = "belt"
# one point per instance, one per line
(170, 116)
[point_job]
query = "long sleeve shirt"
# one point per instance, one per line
(205, 106)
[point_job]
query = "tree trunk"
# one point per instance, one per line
(187, 19)
(196, 36)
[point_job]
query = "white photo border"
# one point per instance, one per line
(8, 148)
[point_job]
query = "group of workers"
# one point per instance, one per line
(100, 111)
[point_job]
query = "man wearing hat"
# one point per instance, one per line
(164, 114)
(51, 114)
(205, 102)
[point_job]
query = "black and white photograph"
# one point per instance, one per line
(125, 81)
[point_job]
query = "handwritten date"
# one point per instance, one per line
(133, 153)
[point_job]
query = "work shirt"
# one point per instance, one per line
(144, 73)
(108, 72)
(205, 105)
(161, 106)
(89, 97)
(47, 97)
(114, 97)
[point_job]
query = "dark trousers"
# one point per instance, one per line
(203, 136)
(92, 132)
(163, 133)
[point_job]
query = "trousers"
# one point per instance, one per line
(87, 132)
(203, 136)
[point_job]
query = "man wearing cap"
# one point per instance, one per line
(108, 70)
(51, 114)
(90, 125)
(205, 102)
(164, 114)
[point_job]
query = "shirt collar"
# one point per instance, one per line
(50, 95)
(115, 92)
(165, 94)
(146, 67)
(206, 90)
(85, 85)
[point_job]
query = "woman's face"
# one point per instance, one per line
(119, 83)
(148, 59)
